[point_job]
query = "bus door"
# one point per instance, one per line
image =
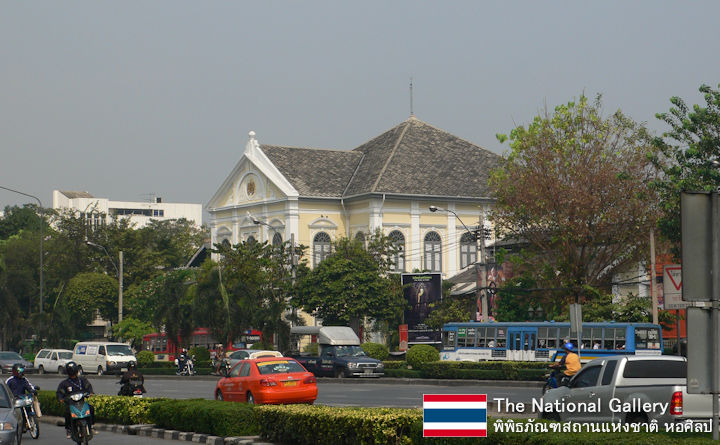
(521, 344)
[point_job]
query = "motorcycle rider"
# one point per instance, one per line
(130, 380)
(71, 385)
(182, 358)
(571, 363)
(18, 383)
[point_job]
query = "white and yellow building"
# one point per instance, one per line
(387, 183)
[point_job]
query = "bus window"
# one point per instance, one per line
(609, 338)
(564, 335)
(551, 341)
(490, 338)
(501, 338)
(586, 338)
(647, 338)
(481, 342)
(448, 340)
(620, 338)
(470, 339)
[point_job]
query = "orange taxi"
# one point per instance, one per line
(268, 380)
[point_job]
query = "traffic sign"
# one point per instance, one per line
(672, 287)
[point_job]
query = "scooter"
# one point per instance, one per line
(132, 389)
(188, 367)
(80, 428)
(552, 382)
(30, 421)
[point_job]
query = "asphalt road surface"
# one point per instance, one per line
(333, 393)
(55, 435)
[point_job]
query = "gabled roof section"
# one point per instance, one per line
(416, 158)
(312, 171)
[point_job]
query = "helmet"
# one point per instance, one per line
(184, 351)
(569, 346)
(72, 369)
(132, 365)
(18, 370)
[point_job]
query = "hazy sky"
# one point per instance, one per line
(126, 99)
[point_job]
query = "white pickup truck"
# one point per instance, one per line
(627, 389)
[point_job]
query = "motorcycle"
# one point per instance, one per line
(551, 380)
(80, 428)
(188, 367)
(220, 366)
(133, 388)
(30, 421)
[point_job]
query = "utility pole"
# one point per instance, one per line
(653, 294)
(481, 269)
(120, 287)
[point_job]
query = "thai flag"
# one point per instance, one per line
(454, 415)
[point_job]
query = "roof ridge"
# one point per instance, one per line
(306, 148)
(458, 137)
(357, 167)
(392, 153)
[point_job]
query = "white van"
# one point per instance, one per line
(103, 357)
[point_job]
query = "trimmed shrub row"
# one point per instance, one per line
(205, 416)
(495, 370)
(303, 424)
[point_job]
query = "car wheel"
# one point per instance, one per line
(61, 370)
(100, 370)
(339, 373)
(218, 395)
(250, 398)
(80, 370)
(41, 370)
(19, 435)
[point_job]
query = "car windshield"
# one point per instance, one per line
(119, 350)
(239, 355)
(349, 351)
(10, 356)
(279, 367)
(4, 401)
(65, 355)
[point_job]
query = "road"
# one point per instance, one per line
(330, 392)
(53, 435)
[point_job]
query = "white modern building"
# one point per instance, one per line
(139, 213)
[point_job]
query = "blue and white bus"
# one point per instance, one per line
(541, 341)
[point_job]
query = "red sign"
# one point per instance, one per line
(403, 337)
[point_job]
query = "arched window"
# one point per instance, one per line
(250, 240)
(468, 250)
(277, 240)
(360, 237)
(433, 252)
(321, 247)
(225, 243)
(398, 240)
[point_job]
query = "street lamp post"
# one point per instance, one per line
(119, 271)
(480, 265)
(42, 238)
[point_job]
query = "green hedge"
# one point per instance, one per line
(376, 350)
(110, 409)
(490, 370)
(303, 424)
(420, 354)
(205, 416)
(171, 371)
(324, 424)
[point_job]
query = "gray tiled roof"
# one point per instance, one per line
(413, 158)
(419, 159)
(312, 171)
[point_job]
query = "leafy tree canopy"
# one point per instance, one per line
(687, 153)
(575, 188)
(352, 283)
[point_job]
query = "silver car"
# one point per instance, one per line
(10, 420)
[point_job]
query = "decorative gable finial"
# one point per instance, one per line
(252, 135)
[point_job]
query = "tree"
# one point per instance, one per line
(132, 330)
(575, 187)
(350, 284)
(686, 155)
(89, 293)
